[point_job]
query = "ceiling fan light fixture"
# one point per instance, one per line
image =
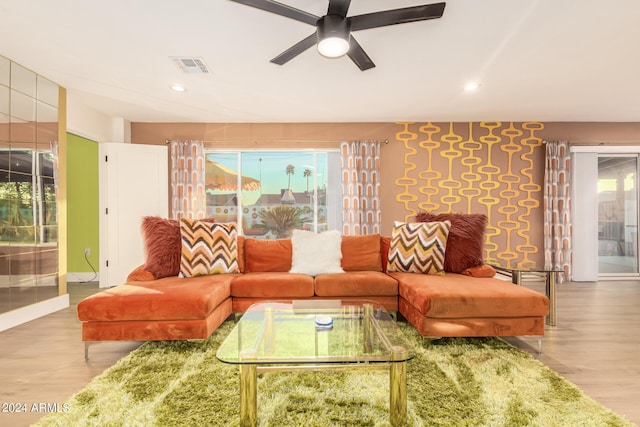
(333, 36)
(333, 47)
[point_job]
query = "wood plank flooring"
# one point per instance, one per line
(595, 345)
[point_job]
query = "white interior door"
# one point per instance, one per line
(133, 184)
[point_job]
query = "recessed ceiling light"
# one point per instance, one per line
(471, 86)
(177, 88)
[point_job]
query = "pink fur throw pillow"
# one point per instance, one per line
(162, 245)
(465, 245)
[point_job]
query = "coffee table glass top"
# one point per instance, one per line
(315, 332)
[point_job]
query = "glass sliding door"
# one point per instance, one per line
(618, 215)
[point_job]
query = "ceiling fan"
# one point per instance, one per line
(333, 30)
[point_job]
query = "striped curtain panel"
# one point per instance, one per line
(557, 208)
(188, 197)
(360, 163)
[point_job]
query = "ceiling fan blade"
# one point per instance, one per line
(295, 50)
(359, 56)
(281, 9)
(397, 16)
(338, 7)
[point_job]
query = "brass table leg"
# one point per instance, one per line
(516, 277)
(368, 328)
(398, 388)
(248, 394)
(550, 284)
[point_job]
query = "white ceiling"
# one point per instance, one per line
(546, 60)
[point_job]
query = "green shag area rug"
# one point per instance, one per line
(451, 382)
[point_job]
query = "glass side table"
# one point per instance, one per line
(550, 280)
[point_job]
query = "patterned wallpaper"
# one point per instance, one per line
(495, 168)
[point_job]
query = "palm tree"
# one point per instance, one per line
(307, 174)
(280, 220)
(290, 171)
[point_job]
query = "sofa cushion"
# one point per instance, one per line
(355, 283)
(208, 248)
(465, 245)
(471, 326)
(157, 330)
(267, 255)
(457, 296)
(315, 253)
(272, 285)
(361, 253)
(170, 298)
(484, 270)
(418, 247)
(139, 274)
(162, 245)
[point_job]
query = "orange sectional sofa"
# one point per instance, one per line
(148, 307)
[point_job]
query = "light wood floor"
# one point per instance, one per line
(595, 345)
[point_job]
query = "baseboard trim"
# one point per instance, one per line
(83, 277)
(31, 312)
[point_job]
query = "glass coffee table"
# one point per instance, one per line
(317, 334)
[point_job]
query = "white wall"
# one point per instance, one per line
(92, 124)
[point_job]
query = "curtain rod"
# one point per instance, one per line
(605, 142)
(385, 141)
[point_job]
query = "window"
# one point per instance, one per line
(270, 193)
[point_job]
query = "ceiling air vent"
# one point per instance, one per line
(190, 65)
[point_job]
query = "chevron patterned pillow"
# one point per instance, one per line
(208, 248)
(418, 247)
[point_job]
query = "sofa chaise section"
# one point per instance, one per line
(164, 309)
(458, 305)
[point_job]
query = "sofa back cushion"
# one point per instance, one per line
(361, 253)
(385, 245)
(267, 255)
(241, 253)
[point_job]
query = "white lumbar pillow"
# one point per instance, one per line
(316, 253)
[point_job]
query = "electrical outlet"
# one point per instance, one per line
(87, 251)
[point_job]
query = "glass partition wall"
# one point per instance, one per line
(28, 171)
(618, 215)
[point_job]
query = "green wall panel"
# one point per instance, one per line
(83, 208)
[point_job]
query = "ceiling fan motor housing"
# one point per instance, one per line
(334, 31)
